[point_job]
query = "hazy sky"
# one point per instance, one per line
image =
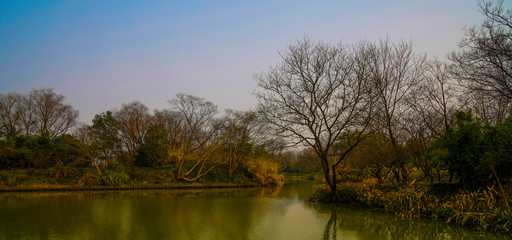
(100, 54)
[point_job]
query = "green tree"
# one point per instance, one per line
(465, 147)
(155, 147)
(104, 135)
(477, 154)
(498, 157)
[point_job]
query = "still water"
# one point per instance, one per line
(253, 213)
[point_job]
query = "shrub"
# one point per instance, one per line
(11, 179)
(266, 172)
(12, 157)
(115, 175)
(61, 172)
(90, 179)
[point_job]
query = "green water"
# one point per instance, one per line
(256, 213)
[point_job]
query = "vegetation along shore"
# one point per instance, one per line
(376, 123)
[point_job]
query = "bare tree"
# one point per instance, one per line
(318, 92)
(27, 116)
(9, 114)
(489, 108)
(243, 132)
(175, 126)
(199, 135)
(394, 70)
(436, 98)
(134, 119)
(87, 146)
(50, 115)
(484, 62)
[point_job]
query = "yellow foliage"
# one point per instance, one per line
(266, 172)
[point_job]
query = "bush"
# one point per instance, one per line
(12, 157)
(61, 172)
(90, 179)
(266, 172)
(11, 179)
(473, 151)
(115, 175)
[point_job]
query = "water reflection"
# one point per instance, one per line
(347, 223)
(253, 213)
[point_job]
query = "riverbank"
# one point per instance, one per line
(53, 188)
(119, 178)
(484, 209)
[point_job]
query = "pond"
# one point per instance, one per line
(248, 213)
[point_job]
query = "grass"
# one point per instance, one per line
(484, 209)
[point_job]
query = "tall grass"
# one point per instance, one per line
(484, 209)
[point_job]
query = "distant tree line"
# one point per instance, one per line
(39, 130)
(385, 111)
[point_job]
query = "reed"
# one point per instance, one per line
(484, 209)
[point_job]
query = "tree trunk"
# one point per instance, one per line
(330, 181)
(334, 189)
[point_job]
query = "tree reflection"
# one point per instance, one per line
(330, 227)
(161, 214)
(351, 223)
(250, 213)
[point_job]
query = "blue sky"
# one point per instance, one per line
(100, 54)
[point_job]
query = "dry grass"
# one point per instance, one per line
(483, 210)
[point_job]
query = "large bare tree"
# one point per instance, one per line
(436, 99)
(394, 70)
(44, 113)
(41, 112)
(199, 135)
(318, 92)
(484, 61)
(134, 119)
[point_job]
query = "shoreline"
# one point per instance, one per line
(468, 209)
(128, 187)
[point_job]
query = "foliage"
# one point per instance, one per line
(61, 172)
(90, 178)
(36, 152)
(484, 209)
(104, 134)
(266, 172)
(498, 157)
(305, 161)
(11, 157)
(221, 174)
(474, 152)
(115, 175)
(154, 150)
(408, 200)
(11, 178)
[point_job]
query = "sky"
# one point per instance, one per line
(101, 54)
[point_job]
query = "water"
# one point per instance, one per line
(255, 213)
